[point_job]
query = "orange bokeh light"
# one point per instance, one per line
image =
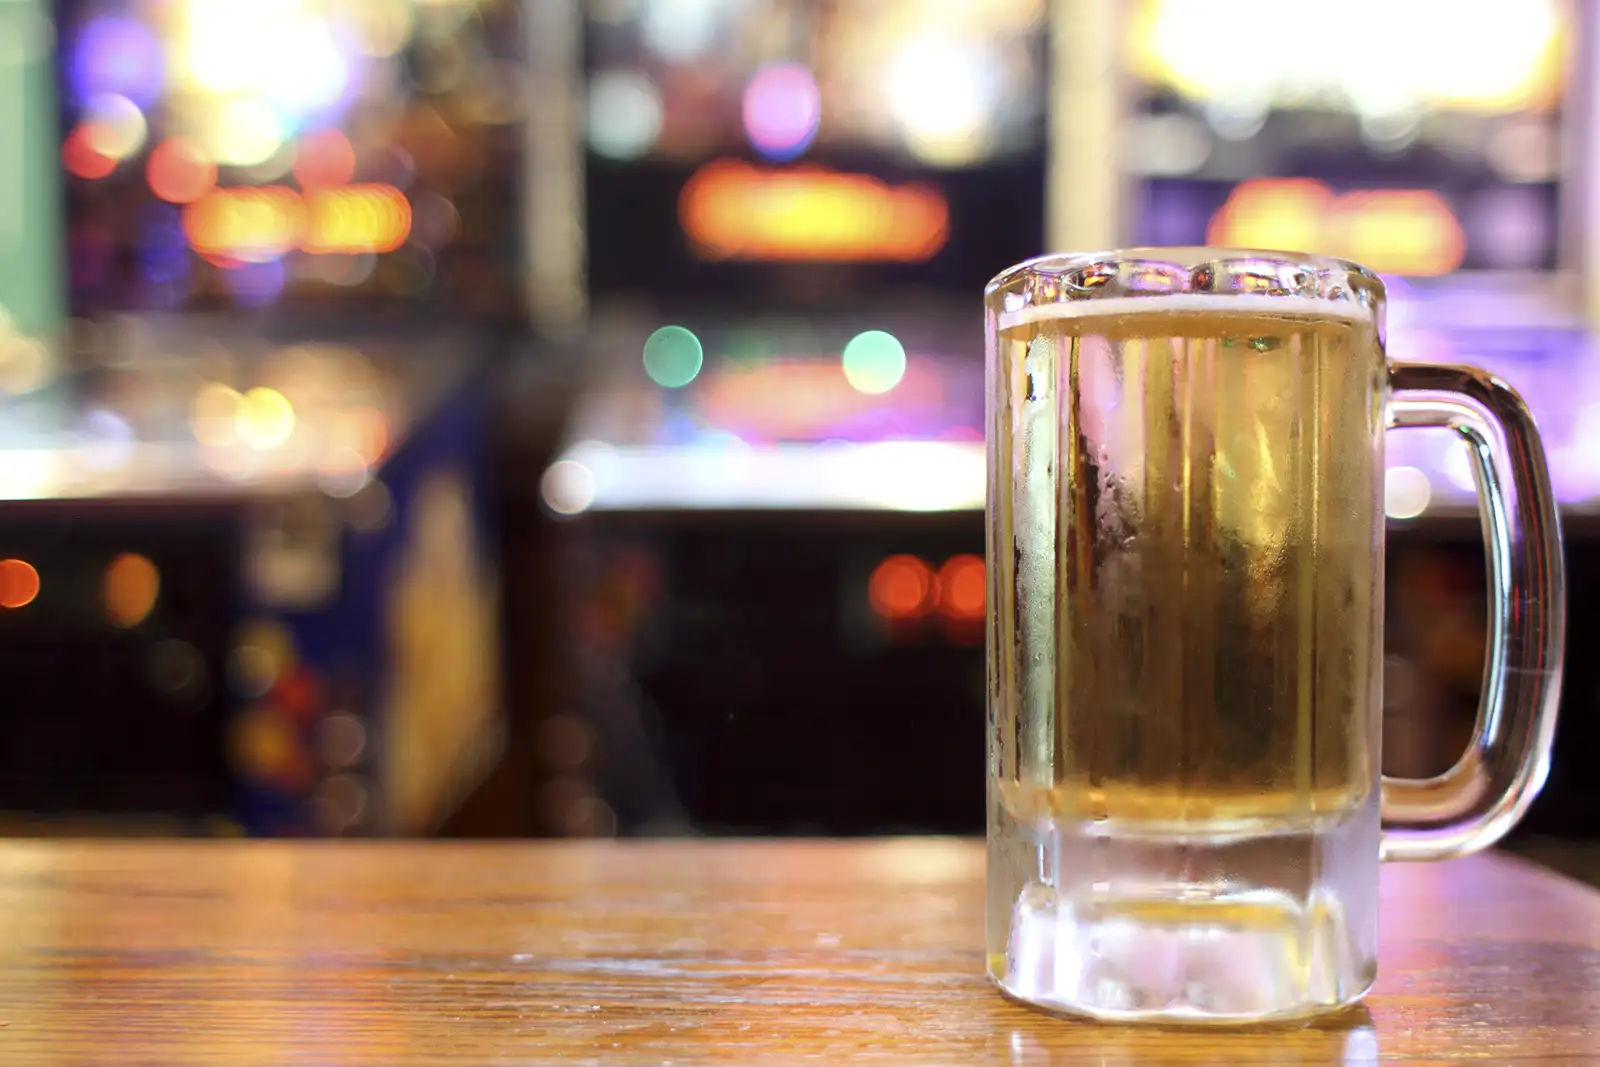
(264, 222)
(733, 210)
(19, 583)
(179, 171)
(80, 156)
(1400, 231)
(962, 587)
(132, 584)
(902, 587)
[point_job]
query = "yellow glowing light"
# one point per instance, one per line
(1482, 55)
(251, 224)
(266, 418)
(266, 222)
(1400, 231)
(214, 415)
(732, 210)
(355, 219)
(1272, 213)
(132, 584)
(1403, 231)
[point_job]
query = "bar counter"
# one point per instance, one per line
(687, 952)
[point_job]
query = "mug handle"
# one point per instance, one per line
(1474, 803)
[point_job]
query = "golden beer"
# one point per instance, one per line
(1194, 622)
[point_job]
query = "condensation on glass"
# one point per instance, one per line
(1185, 558)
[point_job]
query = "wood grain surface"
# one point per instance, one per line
(733, 952)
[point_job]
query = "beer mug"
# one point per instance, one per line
(1186, 809)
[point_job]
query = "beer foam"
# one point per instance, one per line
(1187, 304)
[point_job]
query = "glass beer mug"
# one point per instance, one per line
(1185, 549)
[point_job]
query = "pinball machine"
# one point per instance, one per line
(788, 207)
(248, 570)
(1463, 174)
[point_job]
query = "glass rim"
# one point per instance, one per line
(1187, 257)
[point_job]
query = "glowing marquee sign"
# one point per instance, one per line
(733, 210)
(1393, 231)
(260, 224)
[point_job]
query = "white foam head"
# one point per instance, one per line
(1188, 304)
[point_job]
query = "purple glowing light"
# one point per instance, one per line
(116, 55)
(255, 285)
(782, 110)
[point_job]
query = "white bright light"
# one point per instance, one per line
(1406, 493)
(624, 114)
(272, 50)
(567, 487)
(680, 29)
(311, 72)
(243, 133)
(1382, 57)
(942, 94)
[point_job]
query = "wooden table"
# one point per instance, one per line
(339, 953)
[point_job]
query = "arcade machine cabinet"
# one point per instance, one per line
(248, 570)
(1464, 184)
(768, 489)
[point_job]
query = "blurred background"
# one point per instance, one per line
(482, 417)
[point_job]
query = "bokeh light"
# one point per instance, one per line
(117, 55)
(943, 92)
(243, 132)
(782, 109)
(324, 157)
(80, 156)
(673, 357)
(1406, 492)
(962, 588)
(179, 172)
(874, 362)
(214, 415)
(115, 126)
(567, 487)
(624, 114)
(902, 587)
(680, 29)
(131, 586)
(266, 418)
(382, 26)
(255, 285)
(19, 583)
(314, 79)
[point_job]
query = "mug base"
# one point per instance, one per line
(1186, 931)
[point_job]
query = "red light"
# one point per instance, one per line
(902, 587)
(82, 158)
(324, 158)
(962, 588)
(179, 172)
(19, 583)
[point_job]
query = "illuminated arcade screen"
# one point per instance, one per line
(244, 153)
(1419, 138)
(808, 150)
